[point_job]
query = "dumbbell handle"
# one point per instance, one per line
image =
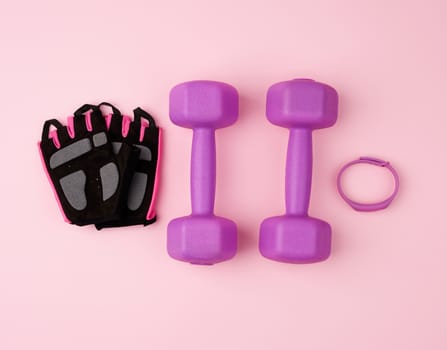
(298, 171)
(203, 171)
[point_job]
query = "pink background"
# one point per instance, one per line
(384, 287)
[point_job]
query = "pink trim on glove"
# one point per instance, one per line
(151, 212)
(126, 125)
(70, 127)
(108, 119)
(88, 121)
(144, 125)
(55, 138)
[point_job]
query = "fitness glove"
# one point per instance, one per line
(143, 134)
(90, 180)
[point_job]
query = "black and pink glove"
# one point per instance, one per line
(103, 169)
(143, 134)
(89, 180)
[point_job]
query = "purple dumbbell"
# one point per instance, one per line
(202, 237)
(300, 105)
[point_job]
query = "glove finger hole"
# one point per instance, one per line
(86, 118)
(115, 110)
(140, 114)
(143, 120)
(70, 127)
(47, 127)
(125, 125)
(108, 120)
(53, 130)
(55, 138)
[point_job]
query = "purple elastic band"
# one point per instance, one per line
(369, 206)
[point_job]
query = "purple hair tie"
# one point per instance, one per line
(369, 206)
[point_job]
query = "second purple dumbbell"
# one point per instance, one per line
(202, 237)
(300, 105)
